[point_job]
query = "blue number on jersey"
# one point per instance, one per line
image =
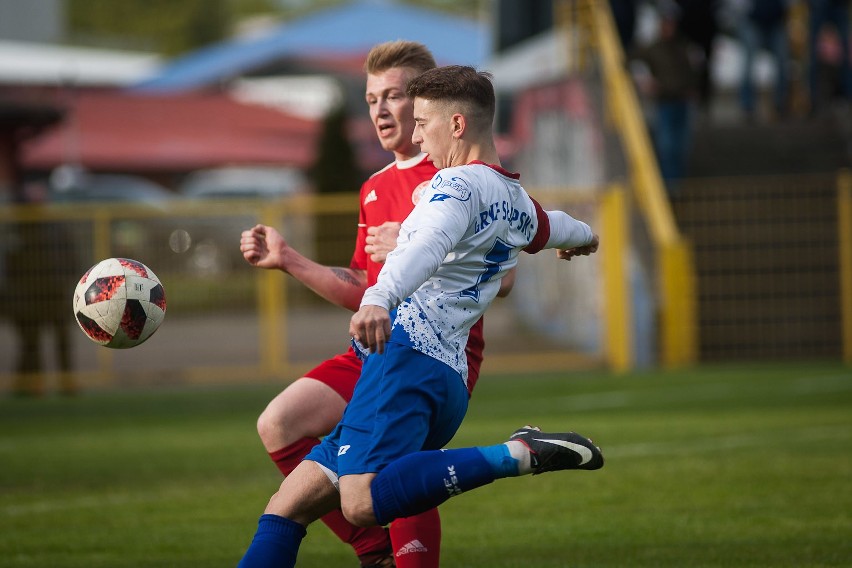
(498, 254)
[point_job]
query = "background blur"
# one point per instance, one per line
(707, 141)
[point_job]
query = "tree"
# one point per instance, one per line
(169, 27)
(335, 171)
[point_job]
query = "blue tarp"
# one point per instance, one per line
(350, 28)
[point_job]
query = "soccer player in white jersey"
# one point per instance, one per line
(311, 406)
(384, 459)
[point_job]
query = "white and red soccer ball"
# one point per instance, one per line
(119, 303)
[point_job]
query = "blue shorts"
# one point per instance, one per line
(404, 402)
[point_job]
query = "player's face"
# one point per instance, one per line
(391, 110)
(433, 132)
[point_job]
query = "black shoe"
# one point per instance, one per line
(383, 558)
(385, 562)
(554, 452)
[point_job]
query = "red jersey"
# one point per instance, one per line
(390, 195)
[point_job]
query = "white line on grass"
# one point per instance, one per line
(707, 445)
(691, 392)
(92, 502)
(679, 448)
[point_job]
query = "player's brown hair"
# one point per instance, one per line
(399, 53)
(458, 84)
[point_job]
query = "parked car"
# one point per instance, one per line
(144, 237)
(73, 185)
(214, 242)
(243, 182)
(201, 244)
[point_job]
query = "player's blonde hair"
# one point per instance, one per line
(399, 53)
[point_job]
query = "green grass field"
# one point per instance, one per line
(722, 466)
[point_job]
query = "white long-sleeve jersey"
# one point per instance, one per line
(462, 237)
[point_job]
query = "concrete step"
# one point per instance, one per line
(796, 145)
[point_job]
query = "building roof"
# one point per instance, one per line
(16, 113)
(111, 131)
(24, 63)
(342, 31)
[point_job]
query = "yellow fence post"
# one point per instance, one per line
(844, 224)
(271, 297)
(675, 266)
(101, 248)
(618, 344)
(679, 329)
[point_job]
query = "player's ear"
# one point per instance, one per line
(459, 125)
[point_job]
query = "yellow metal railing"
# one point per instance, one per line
(593, 25)
(240, 324)
(844, 224)
(612, 210)
(94, 238)
(281, 316)
(618, 313)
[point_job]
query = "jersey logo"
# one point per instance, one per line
(418, 192)
(343, 450)
(453, 188)
(411, 547)
(442, 197)
(371, 197)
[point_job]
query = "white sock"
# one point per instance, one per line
(521, 453)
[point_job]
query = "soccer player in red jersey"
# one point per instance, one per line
(387, 457)
(311, 406)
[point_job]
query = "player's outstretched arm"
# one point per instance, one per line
(264, 247)
(586, 250)
(569, 236)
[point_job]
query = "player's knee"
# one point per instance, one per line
(356, 499)
(262, 428)
(272, 429)
(359, 513)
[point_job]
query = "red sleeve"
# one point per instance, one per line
(542, 233)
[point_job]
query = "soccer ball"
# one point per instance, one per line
(119, 303)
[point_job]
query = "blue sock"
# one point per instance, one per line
(275, 544)
(501, 461)
(423, 480)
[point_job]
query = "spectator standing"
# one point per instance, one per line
(699, 23)
(41, 272)
(763, 25)
(624, 15)
(820, 14)
(672, 87)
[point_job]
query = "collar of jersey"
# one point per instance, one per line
(411, 162)
(496, 168)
